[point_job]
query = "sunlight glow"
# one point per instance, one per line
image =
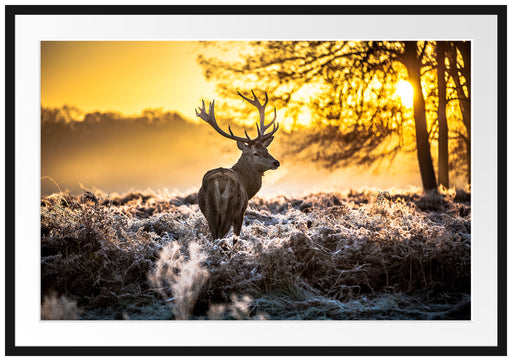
(405, 91)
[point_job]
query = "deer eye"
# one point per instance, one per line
(256, 155)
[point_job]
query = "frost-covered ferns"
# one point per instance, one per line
(322, 256)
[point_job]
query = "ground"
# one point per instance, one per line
(365, 255)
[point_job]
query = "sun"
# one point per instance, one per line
(405, 91)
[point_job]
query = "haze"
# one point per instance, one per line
(125, 78)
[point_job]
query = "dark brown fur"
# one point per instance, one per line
(223, 201)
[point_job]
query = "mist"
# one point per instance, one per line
(159, 150)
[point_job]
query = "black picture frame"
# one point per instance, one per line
(11, 349)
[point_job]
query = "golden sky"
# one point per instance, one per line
(130, 76)
(123, 76)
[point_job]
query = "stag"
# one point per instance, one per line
(224, 192)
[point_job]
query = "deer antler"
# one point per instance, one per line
(209, 117)
(262, 128)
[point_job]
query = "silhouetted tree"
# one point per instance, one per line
(442, 172)
(459, 56)
(413, 63)
(348, 89)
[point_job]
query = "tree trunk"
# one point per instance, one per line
(465, 49)
(442, 165)
(464, 100)
(413, 65)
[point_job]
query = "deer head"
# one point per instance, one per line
(254, 151)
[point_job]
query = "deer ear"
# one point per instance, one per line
(241, 145)
(267, 142)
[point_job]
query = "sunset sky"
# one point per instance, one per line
(130, 76)
(127, 77)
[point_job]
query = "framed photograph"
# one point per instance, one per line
(255, 180)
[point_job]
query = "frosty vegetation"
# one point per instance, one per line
(359, 255)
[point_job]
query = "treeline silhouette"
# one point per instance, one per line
(113, 152)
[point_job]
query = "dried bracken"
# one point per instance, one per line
(359, 255)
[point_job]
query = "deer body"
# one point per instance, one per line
(223, 201)
(224, 192)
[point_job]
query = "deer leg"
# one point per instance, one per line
(237, 225)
